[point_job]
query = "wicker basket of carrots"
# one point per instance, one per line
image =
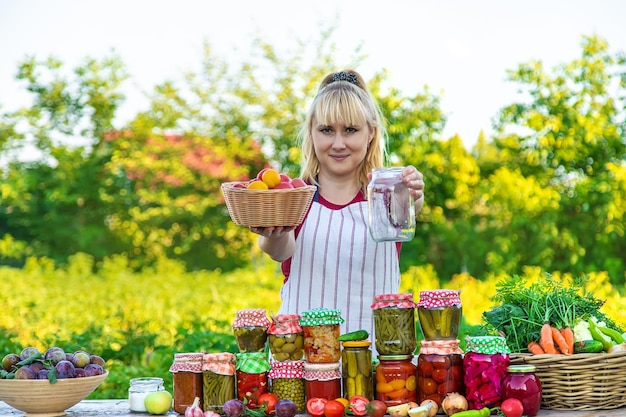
(578, 352)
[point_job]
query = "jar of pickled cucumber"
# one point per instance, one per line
(321, 335)
(439, 313)
(250, 329)
(287, 380)
(439, 370)
(187, 380)
(252, 377)
(485, 366)
(356, 369)
(286, 338)
(394, 324)
(322, 380)
(218, 378)
(396, 381)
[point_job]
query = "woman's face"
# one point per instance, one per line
(340, 149)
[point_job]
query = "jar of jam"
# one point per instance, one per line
(250, 329)
(396, 381)
(139, 390)
(439, 313)
(286, 338)
(187, 378)
(252, 377)
(485, 365)
(394, 324)
(321, 335)
(356, 369)
(522, 383)
(439, 370)
(322, 380)
(288, 382)
(391, 206)
(218, 380)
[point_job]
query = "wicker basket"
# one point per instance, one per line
(583, 381)
(265, 208)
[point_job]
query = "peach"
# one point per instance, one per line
(271, 177)
(257, 185)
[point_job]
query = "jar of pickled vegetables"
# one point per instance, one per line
(394, 324)
(396, 381)
(522, 383)
(187, 379)
(322, 380)
(321, 335)
(439, 313)
(252, 377)
(286, 338)
(485, 366)
(250, 329)
(439, 370)
(218, 378)
(356, 369)
(288, 382)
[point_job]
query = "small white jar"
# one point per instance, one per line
(139, 389)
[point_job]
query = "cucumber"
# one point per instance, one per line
(354, 336)
(588, 346)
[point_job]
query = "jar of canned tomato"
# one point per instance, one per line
(288, 382)
(439, 313)
(356, 369)
(394, 324)
(485, 366)
(522, 383)
(250, 329)
(439, 370)
(286, 338)
(187, 380)
(321, 335)
(322, 380)
(252, 377)
(396, 381)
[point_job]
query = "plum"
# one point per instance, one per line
(55, 355)
(81, 359)
(233, 408)
(43, 374)
(286, 408)
(95, 359)
(25, 373)
(10, 360)
(92, 369)
(29, 352)
(80, 373)
(65, 369)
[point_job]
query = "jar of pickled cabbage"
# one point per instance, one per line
(394, 324)
(218, 378)
(485, 366)
(522, 383)
(356, 369)
(286, 338)
(396, 381)
(322, 380)
(250, 329)
(439, 313)
(321, 335)
(187, 379)
(288, 382)
(390, 206)
(439, 370)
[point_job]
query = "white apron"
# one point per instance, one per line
(337, 265)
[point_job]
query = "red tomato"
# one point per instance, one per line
(358, 405)
(315, 406)
(440, 375)
(270, 401)
(376, 408)
(334, 408)
(512, 407)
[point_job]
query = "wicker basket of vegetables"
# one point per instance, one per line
(579, 353)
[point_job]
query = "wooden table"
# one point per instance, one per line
(99, 408)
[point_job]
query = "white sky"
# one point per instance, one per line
(460, 49)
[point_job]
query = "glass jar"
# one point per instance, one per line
(250, 329)
(394, 324)
(286, 338)
(396, 381)
(218, 378)
(485, 365)
(288, 382)
(522, 383)
(439, 313)
(187, 378)
(391, 206)
(321, 335)
(139, 389)
(356, 369)
(439, 370)
(252, 378)
(322, 380)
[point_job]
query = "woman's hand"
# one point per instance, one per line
(273, 232)
(414, 180)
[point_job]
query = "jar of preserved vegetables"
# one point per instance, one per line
(286, 338)
(288, 382)
(252, 377)
(439, 370)
(394, 324)
(485, 365)
(522, 383)
(139, 390)
(322, 380)
(396, 381)
(218, 377)
(356, 369)
(321, 335)
(187, 379)
(439, 313)
(250, 329)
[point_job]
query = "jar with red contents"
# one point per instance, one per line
(394, 324)
(485, 366)
(286, 338)
(396, 381)
(187, 379)
(439, 313)
(321, 335)
(322, 380)
(252, 377)
(439, 370)
(522, 383)
(250, 329)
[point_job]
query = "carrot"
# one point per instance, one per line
(559, 340)
(546, 341)
(535, 348)
(568, 334)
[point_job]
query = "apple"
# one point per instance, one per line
(240, 185)
(284, 185)
(285, 178)
(158, 402)
(298, 182)
(259, 176)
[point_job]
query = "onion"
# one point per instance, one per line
(434, 407)
(617, 348)
(454, 403)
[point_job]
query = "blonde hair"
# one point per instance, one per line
(343, 97)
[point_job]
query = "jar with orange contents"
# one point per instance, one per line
(396, 379)
(439, 370)
(321, 335)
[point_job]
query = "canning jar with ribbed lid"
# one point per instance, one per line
(391, 209)
(522, 383)
(356, 369)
